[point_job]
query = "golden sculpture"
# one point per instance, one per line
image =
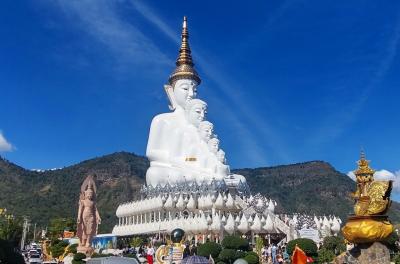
(172, 252)
(184, 63)
(369, 224)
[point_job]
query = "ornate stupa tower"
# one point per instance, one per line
(184, 63)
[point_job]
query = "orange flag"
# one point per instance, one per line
(299, 257)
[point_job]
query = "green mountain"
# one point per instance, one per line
(311, 187)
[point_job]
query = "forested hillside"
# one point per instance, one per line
(311, 187)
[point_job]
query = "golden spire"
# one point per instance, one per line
(184, 63)
(363, 166)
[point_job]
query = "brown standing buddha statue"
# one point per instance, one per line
(88, 216)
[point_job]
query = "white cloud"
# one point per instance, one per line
(351, 175)
(384, 175)
(102, 20)
(4, 144)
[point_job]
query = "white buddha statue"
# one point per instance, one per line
(162, 143)
(185, 141)
(206, 130)
(181, 145)
(212, 159)
(182, 88)
(222, 168)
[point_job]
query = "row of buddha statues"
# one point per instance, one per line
(182, 146)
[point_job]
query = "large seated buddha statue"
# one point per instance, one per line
(182, 146)
(164, 142)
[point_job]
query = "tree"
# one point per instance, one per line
(11, 229)
(252, 257)
(8, 253)
(57, 247)
(78, 258)
(209, 248)
(136, 242)
(391, 242)
(58, 225)
(227, 255)
(307, 245)
(325, 255)
(259, 246)
(335, 244)
(235, 242)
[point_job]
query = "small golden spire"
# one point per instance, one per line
(363, 166)
(185, 56)
(184, 63)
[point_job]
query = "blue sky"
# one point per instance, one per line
(285, 81)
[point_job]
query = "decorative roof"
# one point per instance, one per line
(184, 63)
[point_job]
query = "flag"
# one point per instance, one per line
(299, 257)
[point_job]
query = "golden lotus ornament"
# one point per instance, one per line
(369, 222)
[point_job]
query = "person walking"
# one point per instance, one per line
(273, 253)
(150, 254)
(193, 250)
(186, 251)
(269, 252)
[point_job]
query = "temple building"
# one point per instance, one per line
(189, 184)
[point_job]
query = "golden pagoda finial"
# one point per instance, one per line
(184, 63)
(363, 167)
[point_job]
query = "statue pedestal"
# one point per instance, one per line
(375, 253)
(88, 251)
(367, 229)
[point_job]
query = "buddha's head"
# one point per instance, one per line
(213, 145)
(196, 111)
(184, 91)
(206, 130)
(221, 156)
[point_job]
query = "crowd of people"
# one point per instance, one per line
(273, 254)
(147, 251)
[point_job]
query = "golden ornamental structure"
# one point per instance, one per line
(372, 200)
(172, 252)
(184, 63)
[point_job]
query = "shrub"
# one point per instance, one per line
(390, 241)
(57, 247)
(8, 254)
(227, 255)
(72, 248)
(252, 257)
(79, 256)
(239, 254)
(396, 259)
(307, 245)
(259, 245)
(334, 244)
(209, 248)
(235, 242)
(325, 256)
(99, 255)
(136, 242)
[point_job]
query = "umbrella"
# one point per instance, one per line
(195, 260)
